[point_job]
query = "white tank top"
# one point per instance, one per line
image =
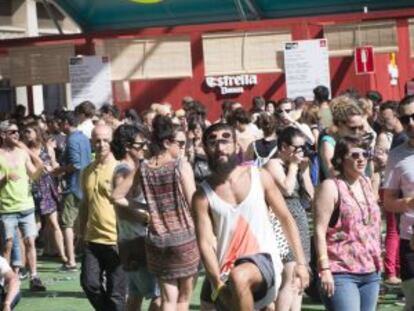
(243, 229)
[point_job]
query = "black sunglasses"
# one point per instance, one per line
(139, 145)
(297, 148)
(357, 155)
(180, 143)
(214, 136)
(356, 128)
(280, 111)
(12, 132)
(406, 119)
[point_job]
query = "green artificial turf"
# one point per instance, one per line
(65, 294)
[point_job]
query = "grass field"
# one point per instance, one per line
(65, 294)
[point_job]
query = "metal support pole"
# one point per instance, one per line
(52, 16)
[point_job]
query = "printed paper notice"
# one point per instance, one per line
(90, 79)
(306, 67)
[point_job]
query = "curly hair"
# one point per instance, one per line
(343, 107)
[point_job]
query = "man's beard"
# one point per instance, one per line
(223, 168)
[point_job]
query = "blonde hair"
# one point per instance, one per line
(343, 107)
(365, 105)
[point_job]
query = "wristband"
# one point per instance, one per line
(323, 257)
(216, 292)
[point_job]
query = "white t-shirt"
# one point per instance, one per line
(4, 268)
(399, 175)
(86, 127)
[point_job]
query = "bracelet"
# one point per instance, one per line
(323, 257)
(216, 292)
(324, 269)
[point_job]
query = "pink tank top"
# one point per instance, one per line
(354, 242)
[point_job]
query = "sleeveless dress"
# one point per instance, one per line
(264, 150)
(171, 244)
(244, 230)
(45, 189)
(296, 208)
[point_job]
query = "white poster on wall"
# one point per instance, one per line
(306, 67)
(90, 79)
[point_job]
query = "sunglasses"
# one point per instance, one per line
(180, 143)
(213, 139)
(12, 132)
(139, 145)
(297, 148)
(406, 119)
(356, 155)
(355, 128)
(281, 111)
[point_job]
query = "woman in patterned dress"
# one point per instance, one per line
(44, 189)
(168, 183)
(290, 171)
(347, 232)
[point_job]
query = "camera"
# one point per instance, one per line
(308, 151)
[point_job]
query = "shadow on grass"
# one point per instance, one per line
(53, 294)
(51, 270)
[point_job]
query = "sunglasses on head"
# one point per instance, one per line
(360, 154)
(406, 119)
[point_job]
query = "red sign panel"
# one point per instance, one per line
(410, 88)
(364, 60)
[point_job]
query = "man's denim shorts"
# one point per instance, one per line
(25, 221)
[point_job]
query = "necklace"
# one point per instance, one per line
(366, 220)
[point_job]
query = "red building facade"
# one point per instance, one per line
(269, 85)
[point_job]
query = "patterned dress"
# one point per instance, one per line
(171, 243)
(45, 190)
(297, 209)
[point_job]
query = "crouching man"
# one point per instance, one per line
(234, 233)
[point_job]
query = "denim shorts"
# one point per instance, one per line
(142, 283)
(25, 221)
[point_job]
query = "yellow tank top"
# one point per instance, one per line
(15, 196)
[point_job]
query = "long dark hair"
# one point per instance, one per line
(162, 129)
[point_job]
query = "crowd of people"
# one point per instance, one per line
(285, 197)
